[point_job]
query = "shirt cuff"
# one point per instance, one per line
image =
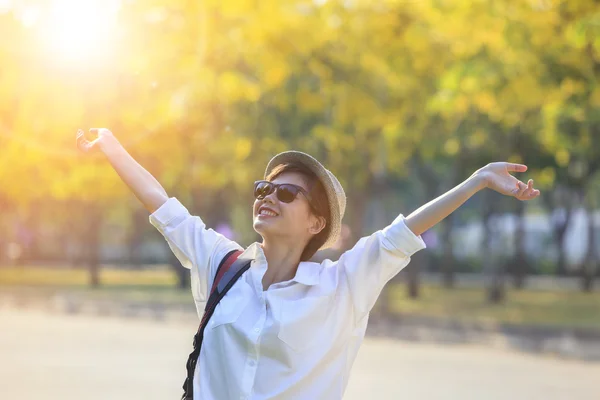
(402, 238)
(168, 212)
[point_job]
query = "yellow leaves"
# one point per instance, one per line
(485, 102)
(236, 8)
(461, 104)
(316, 74)
(469, 84)
(309, 101)
(570, 87)
(578, 114)
(390, 131)
(243, 148)
(523, 92)
(229, 84)
(595, 97)
(275, 73)
(545, 177)
(515, 158)
(320, 70)
(476, 139)
(562, 157)
(452, 146)
(233, 87)
(373, 63)
(333, 139)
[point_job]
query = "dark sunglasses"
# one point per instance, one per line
(286, 192)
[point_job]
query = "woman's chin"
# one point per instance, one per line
(259, 226)
(263, 225)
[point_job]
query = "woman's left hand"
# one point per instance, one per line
(497, 176)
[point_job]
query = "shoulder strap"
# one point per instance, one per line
(229, 271)
(224, 266)
(223, 278)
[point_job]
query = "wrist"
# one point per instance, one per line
(478, 180)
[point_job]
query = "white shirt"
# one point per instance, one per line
(299, 338)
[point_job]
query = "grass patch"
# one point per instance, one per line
(66, 277)
(530, 307)
(139, 286)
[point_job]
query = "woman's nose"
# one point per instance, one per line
(271, 197)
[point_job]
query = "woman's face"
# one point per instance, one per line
(293, 220)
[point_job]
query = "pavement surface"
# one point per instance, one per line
(56, 356)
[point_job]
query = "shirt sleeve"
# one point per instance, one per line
(196, 247)
(376, 259)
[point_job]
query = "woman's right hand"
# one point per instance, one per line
(103, 136)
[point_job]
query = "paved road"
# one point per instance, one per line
(81, 357)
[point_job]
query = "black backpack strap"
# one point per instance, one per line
(229, 271)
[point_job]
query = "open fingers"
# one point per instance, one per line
(519, 189)
(80, 137)
(529, 192)
(82, 142)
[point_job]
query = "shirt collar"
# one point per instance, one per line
(255, 252)
(306, 274)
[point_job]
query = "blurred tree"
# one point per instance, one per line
(204, 93)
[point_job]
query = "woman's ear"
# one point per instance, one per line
(317, 225)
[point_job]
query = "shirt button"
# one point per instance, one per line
(256, 330)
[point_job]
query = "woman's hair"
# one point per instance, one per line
(319, 203)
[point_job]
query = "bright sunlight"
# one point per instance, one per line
(79, 29)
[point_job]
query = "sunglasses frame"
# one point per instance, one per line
(275, 188)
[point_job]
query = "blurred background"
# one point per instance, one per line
(401, 99)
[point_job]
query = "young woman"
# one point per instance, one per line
(290, 328)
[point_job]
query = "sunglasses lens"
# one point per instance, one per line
(262, 189)
(286, 193)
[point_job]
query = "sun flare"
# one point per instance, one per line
(80, 29)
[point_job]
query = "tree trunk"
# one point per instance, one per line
(588, 266)
(139, 218)
(74, 235)
(183, 274)
(412, 271)
(559, 204)
(560, 229)
(493, 267)
(5, 212)
(561, 266)
(448, 260)
(421, 260)
(92, 240)
(357, 217)
(520, 264)
(29, 235)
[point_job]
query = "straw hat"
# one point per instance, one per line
(335, 193)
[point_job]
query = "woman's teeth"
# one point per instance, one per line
(269, 213)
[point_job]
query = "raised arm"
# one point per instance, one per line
(495, 176)
(143, 185)
(198, 248)
(375, 259)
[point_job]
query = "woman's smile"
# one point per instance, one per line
(266, 212)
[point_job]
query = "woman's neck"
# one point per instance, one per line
(282, 262)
